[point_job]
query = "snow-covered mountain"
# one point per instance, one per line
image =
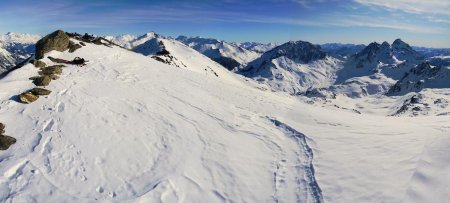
(376, 68)
(128, 128)
(391, 60)
(342, 50)
(432, 52)
(179, 55)
(293, 67)
(229, 55)
(6, 60)
(258, 47)
(423, 76)
(130, 41)
(15, 48)
(172, 52)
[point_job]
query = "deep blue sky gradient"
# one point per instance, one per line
(317, 21)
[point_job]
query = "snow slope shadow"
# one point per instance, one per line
(305, 157)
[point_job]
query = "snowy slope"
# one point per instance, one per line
(127, 128)
(294, 67)
(229, 55)
(177, 54)
(258, 47)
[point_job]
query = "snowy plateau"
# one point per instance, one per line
(158, 119)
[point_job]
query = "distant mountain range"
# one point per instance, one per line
(14, 48)
(296, 67)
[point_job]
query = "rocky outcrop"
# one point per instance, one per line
(39, 91)
(38, 63)
(73, 47)
(51, 70)
(28, 98)
(42, 80)
(2, 128)
(5, 140)
(57, 40)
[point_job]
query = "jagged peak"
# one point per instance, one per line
(300, 51)
(385, 45)
(399, 41)
(424, 65)
(149, 35)
(399, 44)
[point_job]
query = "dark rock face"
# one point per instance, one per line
(299, 52)
(6, 142)
(73, 47)
(57, 40)
(39, 91)
(226, 62)
(42, 80)
(28, 97)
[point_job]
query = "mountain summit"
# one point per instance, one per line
(293, 67)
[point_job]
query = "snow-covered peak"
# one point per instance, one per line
(298, 51)
(293, 67)
(399, 43)
(11, 37)
(229, 55)
(402, 51)
(258, 47)
(422, 76)
(122, 40)
(385, 45)
(132, 41)
(376, 55)
(15, 48)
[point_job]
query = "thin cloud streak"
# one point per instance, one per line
(72, 17)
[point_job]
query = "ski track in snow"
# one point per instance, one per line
(305, 167)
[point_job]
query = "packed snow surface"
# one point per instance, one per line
(127, 128)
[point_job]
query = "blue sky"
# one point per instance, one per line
(418, 22)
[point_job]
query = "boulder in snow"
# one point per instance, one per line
(28, 97)
(42, 80)
(51, 70)
(57, 40)
(6, 142)
(39, 91)
(39, 64)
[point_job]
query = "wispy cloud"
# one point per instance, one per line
(71, 15)
(440, 7)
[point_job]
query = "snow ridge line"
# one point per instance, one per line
(312, 185)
